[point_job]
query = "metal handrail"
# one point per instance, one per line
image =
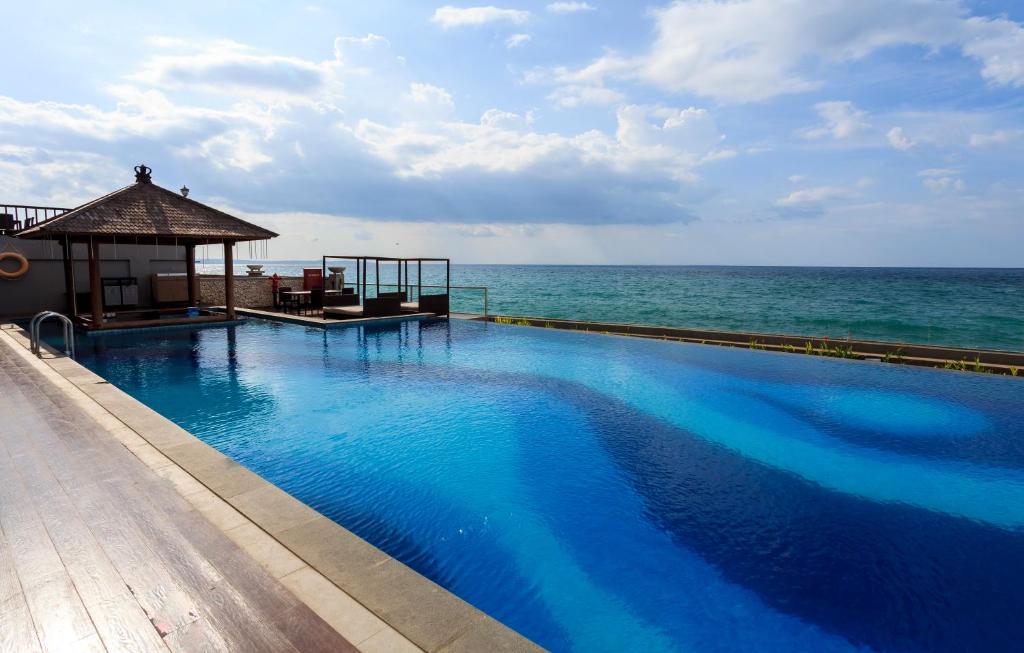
(69, 332)
(24, 217)
(483, 288)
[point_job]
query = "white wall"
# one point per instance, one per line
(42, 288)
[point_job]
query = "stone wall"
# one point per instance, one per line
(250, 292)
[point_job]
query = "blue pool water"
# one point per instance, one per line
(609, 494)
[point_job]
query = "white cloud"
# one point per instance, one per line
(237, 148)
(426, 102)
(138, 114)
(999, 44)
(796, 179)
(941, 180)
(998, 137)
(812, 197)
(449, 16)
(841, 119)
(898, 140)
(568, 7)
(225, 66)
(575, 95)
(34, 175)
(649, 140)
(517, 40)
(505, 120)
(429, 94)
(374, 143)
(751, 50)
(943, 184)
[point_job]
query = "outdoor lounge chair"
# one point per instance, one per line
(343, 299)
(372, 307)
(436, 304)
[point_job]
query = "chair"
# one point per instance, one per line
(316, 300)
(287, 301)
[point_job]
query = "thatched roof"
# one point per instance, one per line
(147, 210)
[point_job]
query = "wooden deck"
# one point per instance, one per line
(99, 553)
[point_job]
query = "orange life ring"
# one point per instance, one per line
(22, 268)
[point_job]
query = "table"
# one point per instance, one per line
(298, 294)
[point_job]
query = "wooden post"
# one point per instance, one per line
(95, 287)
(190, 273)
(229, 279)
(69, 279)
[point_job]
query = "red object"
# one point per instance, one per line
(275, 282)
(312, 278)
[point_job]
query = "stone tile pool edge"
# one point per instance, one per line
(372, 599)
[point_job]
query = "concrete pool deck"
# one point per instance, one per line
(369, 598)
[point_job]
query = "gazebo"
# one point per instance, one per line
(144, 214)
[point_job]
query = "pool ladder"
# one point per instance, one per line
(69, 333)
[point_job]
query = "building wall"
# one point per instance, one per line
(42, 288)
(250, 292)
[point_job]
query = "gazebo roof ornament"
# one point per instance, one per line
(143, 174)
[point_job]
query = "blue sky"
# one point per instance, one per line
(829, 132)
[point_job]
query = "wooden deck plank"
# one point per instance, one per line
(152, 525)
(60, 618)
(168, 603)
(18, 632)
(271, 598)
(198, 588)
(118, 617)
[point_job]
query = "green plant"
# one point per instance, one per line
(978, 367)
(549, 325)
(893, 356)
(808, 347)
(1014, 370)
(843, 352)
(498, 319)
(754, 344)
(959, 366)
(788, 348)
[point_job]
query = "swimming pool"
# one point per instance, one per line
(611, 493)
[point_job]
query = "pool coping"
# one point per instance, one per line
(355, 587)
(322, 323)
(902, 353)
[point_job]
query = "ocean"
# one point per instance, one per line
(981, 308)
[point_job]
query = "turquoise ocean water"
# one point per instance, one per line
(949, 306)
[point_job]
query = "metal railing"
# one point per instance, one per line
(69, 333)
(412, 286)
(19, 217)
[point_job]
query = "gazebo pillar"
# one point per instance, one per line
(95, 287)
(69, 278)
(190, 274)
(229, 279)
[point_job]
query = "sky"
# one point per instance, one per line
(743, 132)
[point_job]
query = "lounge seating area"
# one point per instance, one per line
(333, 299)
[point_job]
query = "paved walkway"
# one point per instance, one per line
(99, 553)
